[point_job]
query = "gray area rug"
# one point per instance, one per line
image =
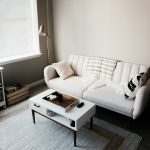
(17, 132)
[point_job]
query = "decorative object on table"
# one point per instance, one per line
(2, 92)
(16, 92)
(55, 96)
(50, 113)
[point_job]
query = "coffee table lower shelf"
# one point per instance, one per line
(74, 132)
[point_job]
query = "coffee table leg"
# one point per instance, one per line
(75, 138)
(91, 123)
(33, 116)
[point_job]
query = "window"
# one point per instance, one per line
(18, 30)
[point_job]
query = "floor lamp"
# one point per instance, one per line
(43, 33)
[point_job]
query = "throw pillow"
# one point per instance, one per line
(107, 69)
(92, 67)
(132, 87)
(63, 69)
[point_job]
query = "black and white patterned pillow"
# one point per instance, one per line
(133, 86)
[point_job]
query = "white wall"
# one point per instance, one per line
(118, 29)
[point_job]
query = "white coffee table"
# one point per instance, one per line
(73, 119)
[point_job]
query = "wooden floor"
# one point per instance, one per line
(140, 126)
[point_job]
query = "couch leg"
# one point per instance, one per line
(130, 123)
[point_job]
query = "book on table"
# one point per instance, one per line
(62, 101)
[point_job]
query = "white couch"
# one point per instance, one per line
(106, 96)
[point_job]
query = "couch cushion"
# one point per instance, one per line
(90, 66)
(125, 71)
(73, 85)
(109, 98)
(77, 63)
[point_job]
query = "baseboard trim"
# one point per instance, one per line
(36, 83)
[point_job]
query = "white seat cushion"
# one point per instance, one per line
(73, 85)
(109, 98)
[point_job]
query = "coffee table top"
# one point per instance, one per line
(74, 114)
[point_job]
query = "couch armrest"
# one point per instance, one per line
(142, 97)
(49, 73)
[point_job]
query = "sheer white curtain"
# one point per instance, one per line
(18, 28)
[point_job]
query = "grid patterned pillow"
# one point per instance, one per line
(107, 69)
(93, 65)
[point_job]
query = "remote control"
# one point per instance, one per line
(80, 105)
(72, 123)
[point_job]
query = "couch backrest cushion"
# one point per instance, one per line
(77, 63)
(92, 66)
(85, 66)
(125, 71)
